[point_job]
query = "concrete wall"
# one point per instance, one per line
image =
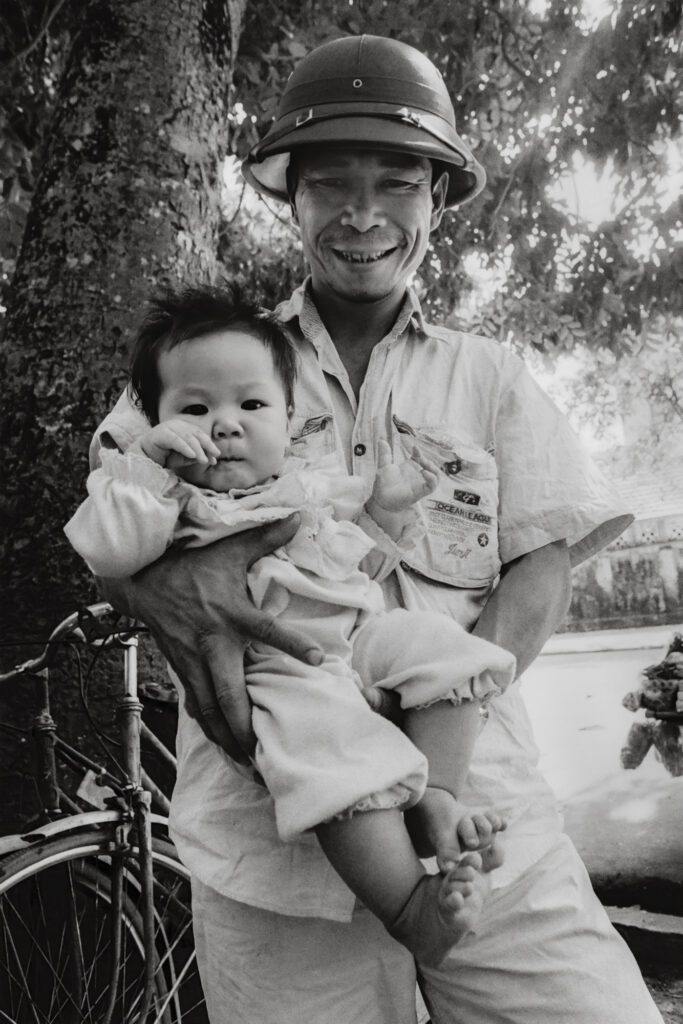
(636, 581)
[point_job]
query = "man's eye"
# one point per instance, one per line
(398, 184)
(326, 182)
(253, 403)
(197, 409)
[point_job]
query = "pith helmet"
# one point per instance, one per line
(369, 92)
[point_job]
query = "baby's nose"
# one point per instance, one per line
(226, 427)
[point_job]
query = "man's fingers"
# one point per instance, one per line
(263, 540)
(261, 626)
(226, 699)
(215, 730)
(386, 703)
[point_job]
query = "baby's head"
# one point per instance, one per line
(208, 356)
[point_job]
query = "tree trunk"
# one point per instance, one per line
(127, 199)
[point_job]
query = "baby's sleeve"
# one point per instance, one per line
(129, 517)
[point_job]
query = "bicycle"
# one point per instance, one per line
(95, 919)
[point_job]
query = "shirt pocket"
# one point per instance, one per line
(312, 435)
(460, 518)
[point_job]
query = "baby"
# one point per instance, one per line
(215, 377)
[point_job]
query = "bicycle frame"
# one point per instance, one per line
(133, 802)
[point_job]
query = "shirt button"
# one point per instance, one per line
(359, 449)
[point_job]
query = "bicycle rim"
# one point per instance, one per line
(56, 938)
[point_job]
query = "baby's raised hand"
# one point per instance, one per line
(399, 485)
(177, 442)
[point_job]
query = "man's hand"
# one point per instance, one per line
(386, 703)
(399, 485)
(196, 605)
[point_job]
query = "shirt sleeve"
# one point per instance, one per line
(549, 488)
(118, 430)
(128, 520)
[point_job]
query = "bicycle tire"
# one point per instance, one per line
(55, 935)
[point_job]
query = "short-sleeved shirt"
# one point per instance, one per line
(514, 478)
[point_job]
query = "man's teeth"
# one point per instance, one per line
(356, 257)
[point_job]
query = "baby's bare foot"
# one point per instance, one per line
(461, 895)
(442, 910)
(475, 830)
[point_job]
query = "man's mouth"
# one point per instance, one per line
(363, 257)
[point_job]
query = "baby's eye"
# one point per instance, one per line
(253, 403)
(197, 409)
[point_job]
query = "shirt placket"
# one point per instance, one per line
(371, 417)
(373, 421)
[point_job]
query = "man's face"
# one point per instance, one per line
(365, 217)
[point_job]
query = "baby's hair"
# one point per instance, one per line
(174, 316)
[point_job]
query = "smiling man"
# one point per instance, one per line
(365, 150)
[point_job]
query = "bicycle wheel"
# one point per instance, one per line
(57, 943)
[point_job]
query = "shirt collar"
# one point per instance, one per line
(300, 306)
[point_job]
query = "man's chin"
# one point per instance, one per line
(367, 294)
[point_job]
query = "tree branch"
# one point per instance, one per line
(30, 47)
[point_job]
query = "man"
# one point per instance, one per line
(364, 148)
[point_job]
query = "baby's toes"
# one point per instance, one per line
(492, 857)
(447, 858)
(453, 896)
(468, 832)
(497, 823)
(483, 827)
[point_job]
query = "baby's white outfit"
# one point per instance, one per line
(320, 749)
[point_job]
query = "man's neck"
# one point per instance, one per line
(355, 328)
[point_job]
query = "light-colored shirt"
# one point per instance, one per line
(516, 478)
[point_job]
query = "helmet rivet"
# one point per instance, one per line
(357, 83)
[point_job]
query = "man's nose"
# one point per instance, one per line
(363, 210)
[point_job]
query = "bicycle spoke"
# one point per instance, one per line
(24, 983)
(42, 956)
(57, 938)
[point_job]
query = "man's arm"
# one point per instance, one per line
(196, 604)
(529, 603)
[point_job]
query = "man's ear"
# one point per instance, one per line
(438, 200)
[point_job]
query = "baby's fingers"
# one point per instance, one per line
(383, 454)
(193, 444)
(429, 469)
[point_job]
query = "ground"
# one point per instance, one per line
(627, 825)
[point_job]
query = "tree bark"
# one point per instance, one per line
(127, 200)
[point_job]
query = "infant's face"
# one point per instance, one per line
(227, 385)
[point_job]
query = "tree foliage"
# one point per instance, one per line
(537, 94)
(110, 176)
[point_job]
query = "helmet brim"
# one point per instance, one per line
(266, 166)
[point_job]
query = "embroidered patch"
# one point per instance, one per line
(467, 497)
